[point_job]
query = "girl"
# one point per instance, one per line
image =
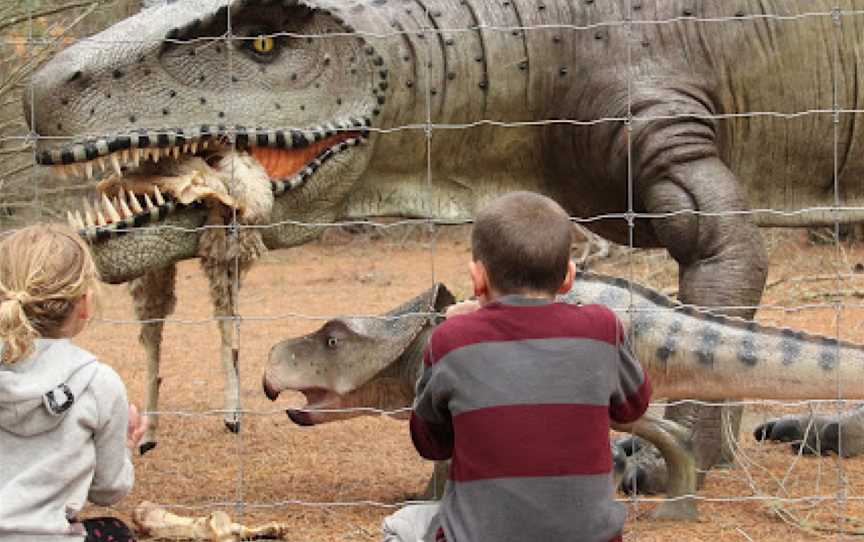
(65, 425)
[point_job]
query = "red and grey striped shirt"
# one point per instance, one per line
(520, 395)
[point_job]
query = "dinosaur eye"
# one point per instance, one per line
(332, 342)
(263, 45)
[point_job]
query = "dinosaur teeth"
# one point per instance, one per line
(193, 147)
(124, 208)
(79, 220)
(148, 203)
(101, 162)
(110, 210)
(115, 163)
(88, 214)
(133, 202)
(175, 152)
(88, 169)
(157, 194)
(136, 157)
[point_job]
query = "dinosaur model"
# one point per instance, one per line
(634, 111)
(373, 362)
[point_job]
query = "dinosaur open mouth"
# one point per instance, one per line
(146, 176)
(316, 399)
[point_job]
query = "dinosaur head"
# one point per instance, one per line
(356, 362)
(163, 106)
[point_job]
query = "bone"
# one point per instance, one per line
(158, 523)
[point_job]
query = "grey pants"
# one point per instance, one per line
(414, 523)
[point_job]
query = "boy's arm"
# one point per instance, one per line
(632, 389)
(431, 423)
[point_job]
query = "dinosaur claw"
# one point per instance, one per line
(763, 431)
(145, 447)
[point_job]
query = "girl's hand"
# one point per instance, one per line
(463, 307)
(137, 427)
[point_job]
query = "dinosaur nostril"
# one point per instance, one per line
(75, 76)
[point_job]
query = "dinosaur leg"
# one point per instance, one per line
(722, 263)
(153, 299)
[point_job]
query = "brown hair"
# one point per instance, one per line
(44, 270)
(523, 239)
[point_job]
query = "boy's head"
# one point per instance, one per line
(521, 245)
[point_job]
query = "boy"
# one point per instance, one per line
(518, 390)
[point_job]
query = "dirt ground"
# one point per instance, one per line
(336, 482)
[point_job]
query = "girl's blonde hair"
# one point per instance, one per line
(44, 270)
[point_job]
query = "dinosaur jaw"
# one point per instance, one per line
(147, 177)
(317, 399)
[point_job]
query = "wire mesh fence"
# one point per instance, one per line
(417, 105)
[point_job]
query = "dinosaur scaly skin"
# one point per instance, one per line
(159, 86)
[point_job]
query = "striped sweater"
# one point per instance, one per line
(520, 394)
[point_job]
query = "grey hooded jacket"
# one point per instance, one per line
(63, 421)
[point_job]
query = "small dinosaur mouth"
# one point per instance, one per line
(148, 176)
(316, 399)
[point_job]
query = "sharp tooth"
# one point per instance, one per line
(133, 202)
(124, 208)
(204, 145)
(193, 147)
(88, 214)
(78, 220)
(101, 162)
(100, 219)
(110, 210)
(157, 194)
(155, 156)
(115, 163)
(175, 150)
(124, 156)
(136, 157)
(88, 169)
(186, 148)
(148, 202)
(70, 219)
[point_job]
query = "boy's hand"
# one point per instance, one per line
(463, 307)
(135, 430)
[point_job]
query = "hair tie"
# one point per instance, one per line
(21, 297)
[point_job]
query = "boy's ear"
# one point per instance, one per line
(84, 306)
(568, 279)
(479, 278)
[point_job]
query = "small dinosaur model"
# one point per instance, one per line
(374, 362)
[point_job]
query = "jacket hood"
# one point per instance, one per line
(36, 392)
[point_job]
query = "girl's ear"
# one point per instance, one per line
(84, 307)
(568, 279)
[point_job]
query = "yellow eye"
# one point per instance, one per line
(263, 44)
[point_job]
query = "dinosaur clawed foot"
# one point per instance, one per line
(812, 435)
(645, 469)
(146, 446)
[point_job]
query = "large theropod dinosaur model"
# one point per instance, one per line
(579, 100)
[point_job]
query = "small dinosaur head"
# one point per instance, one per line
(162, 105)
(366, 362)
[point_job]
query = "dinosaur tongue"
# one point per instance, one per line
(282, 164)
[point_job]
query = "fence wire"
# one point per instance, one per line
(18, 140)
